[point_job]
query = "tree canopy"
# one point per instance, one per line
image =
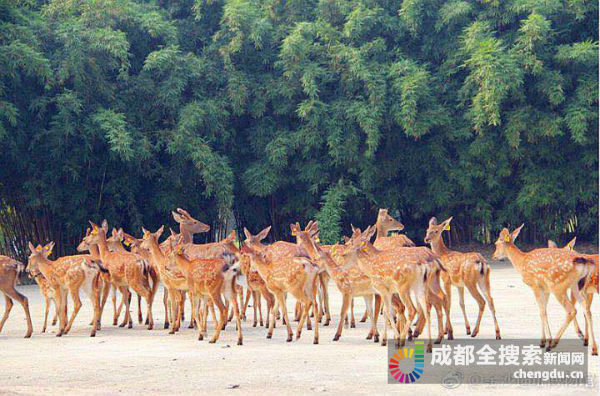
(278, 111)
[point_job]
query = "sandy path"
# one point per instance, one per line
(138, 361)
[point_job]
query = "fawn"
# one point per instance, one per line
(590, 286)
(68, 274)
(547, 271)
(48, 295)
(282, 275)
(171, 276)
(384, 224)
(468, 270)
(349, 279)
(9, 272)
(257, 288)
(392, 272)
(210, 278)
(126, 270)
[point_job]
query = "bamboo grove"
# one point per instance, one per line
(264, 112)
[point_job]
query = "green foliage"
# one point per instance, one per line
(288, 111)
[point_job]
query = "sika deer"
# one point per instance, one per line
(547, 271)
(349, 279)
(392, 272)
(589, 287)
(126, 270)
(48, 295)
(282, 275)
(210, 278)
(9, 272)
(468, 270)
(68, 274)
(256, 287)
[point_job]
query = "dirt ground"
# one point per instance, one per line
(137, 361)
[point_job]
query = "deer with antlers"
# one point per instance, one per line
(588, 289)
(547, 271)
(68, 274)
(48, 295)
(126, 270)
(468, 270)
(210, 278)
(9, 273)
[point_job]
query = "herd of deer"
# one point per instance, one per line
(390, 273)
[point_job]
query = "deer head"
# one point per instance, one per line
(569, 246)
(435, 230)
(150, 238)
(189, 224)
(505, 239)
(255, 240)
(386, 223)
(37, 254)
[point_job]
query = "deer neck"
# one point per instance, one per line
(116, 247)
(262, 267)
(381, 230)
(186, 235)
(439, 247)
(103, 248)
(45, 266)
(157, 254)
(182, 263)
(94, 252)
(516, 257)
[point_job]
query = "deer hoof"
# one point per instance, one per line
(240, 342)
(498, 337)
(369, 336)
(352, 325)
(376, 338)
(254, 324)
(336, 337)
(93, 334)
(438, 341)
(468, 330)
(269, 336)
(585, 342)
(383, 342)
(316, 341)
(429, 348)
(212, 341)
(289, 339)
(28, 335)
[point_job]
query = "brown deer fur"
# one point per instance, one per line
(9, 272)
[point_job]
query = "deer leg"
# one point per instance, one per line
(254, 308)
(351, 313)
(575, 323)
(46, 310)
(127, 300)
(116, 312)
(315, 304)
(461, 302)
(484, 285)
(245, 305)
(561, 296)
(542, 300)
(346, 300)
(196, 300)
(55, 318)
(274, 309)
(7, 308)
(324, 281)
(589, 325)
(74, 291)
(298, 311)
(62, 316)
(238, 319)
(216, 298)
(472, 287)
(194, 307)
(366, 315)
(95, 297)
(284, 311)
(166, 307)
(447, 304)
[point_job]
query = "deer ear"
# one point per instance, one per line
(232, 236)
(173, 233)
(446, 224)
(515, 233)
(552, 244)
(159, 232)
(247, 233)
(105, 225)
(433, 221)
(145, 231)
(346, 239)
(31, 247)
(571, 244)
(263, 234)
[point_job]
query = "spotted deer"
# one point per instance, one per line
(9, 273)
(281, 249)
(126, 270)
(588, 289)
(257, 288)
(210, 278)
(546, 271)
(392, 272)
(349, 279)
(287, 274)
(67, 275)
(171, 275)
(48, 295)
(468, 270)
